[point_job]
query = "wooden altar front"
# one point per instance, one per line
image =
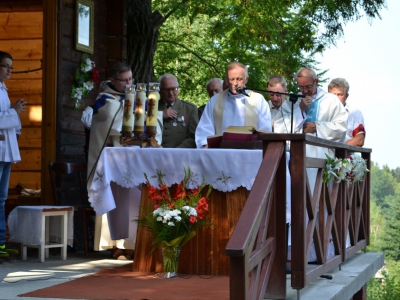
(205, 253)
(231, 173)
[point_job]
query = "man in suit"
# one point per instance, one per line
(180, 118)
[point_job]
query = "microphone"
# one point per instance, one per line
(241, 90)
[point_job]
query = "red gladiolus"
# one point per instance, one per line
(192, 219)
(156, 206)
(202, 201)
(180, 194)
(195, 191)
(171, 206)
(200, 215)
(180, 187)
(151, 189)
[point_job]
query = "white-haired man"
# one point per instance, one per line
(231, 108)
(355, 134)
(320, 114)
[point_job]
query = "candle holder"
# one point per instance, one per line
(139, 137)
(140, 110)
(129, 109)
(128, 115)
(152, 109)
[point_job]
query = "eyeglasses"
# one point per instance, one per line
(239, 79)
(174, 89)
(124, 80)
(271, 95)
(7, 67)
(307, 87)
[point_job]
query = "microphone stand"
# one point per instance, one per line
(292, 98)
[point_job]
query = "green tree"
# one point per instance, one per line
(391, 232)
(384, 288)
(196, 39)
(396, 174)
(377, 224)
(382, 185)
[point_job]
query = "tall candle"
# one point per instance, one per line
(129, 117)
(152, 107)
(140, 106)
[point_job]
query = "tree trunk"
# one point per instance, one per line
(142, 37)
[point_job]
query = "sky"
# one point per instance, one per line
(368, 57)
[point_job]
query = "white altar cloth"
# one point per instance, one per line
(224, 169)
(25, 225)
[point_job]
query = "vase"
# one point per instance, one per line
(171, 260)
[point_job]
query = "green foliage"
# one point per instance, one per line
(377, 224)
(386, 288)
(396, 174)
(197, 39)
(385, 231)
(382, 185)
(391, 234)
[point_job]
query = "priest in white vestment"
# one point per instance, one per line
(113, 230)
(230, 108)
(355, 134)
(281, 112)
(320, 114)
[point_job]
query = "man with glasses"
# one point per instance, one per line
(105, 119)
(231, 108)
(180, 118)
(355, 133)
(10, 127)
(320, 114)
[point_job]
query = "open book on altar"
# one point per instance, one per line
(237, 137)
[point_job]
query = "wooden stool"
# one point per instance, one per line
(37, 235)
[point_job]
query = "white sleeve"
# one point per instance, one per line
(205, 128)
(264, 116)
(299, 118)
(87, 117)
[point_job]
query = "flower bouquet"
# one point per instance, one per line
(85, 78)
(174, 218)
(350, 169)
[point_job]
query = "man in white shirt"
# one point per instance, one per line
(281, 110)
(231, 108)
(355, 134)
(10, 127)
(320, 114)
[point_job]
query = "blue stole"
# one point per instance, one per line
(312, 111)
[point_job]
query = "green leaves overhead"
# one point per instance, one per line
(197, 39)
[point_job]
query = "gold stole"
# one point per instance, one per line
(251, 113)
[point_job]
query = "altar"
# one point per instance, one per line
(230, 172)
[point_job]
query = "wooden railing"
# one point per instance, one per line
(257, 247)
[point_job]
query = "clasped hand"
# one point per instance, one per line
(305, 102)
(19, 106)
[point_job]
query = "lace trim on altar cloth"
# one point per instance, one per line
(224, 169)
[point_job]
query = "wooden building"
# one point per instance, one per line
(40, 35)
